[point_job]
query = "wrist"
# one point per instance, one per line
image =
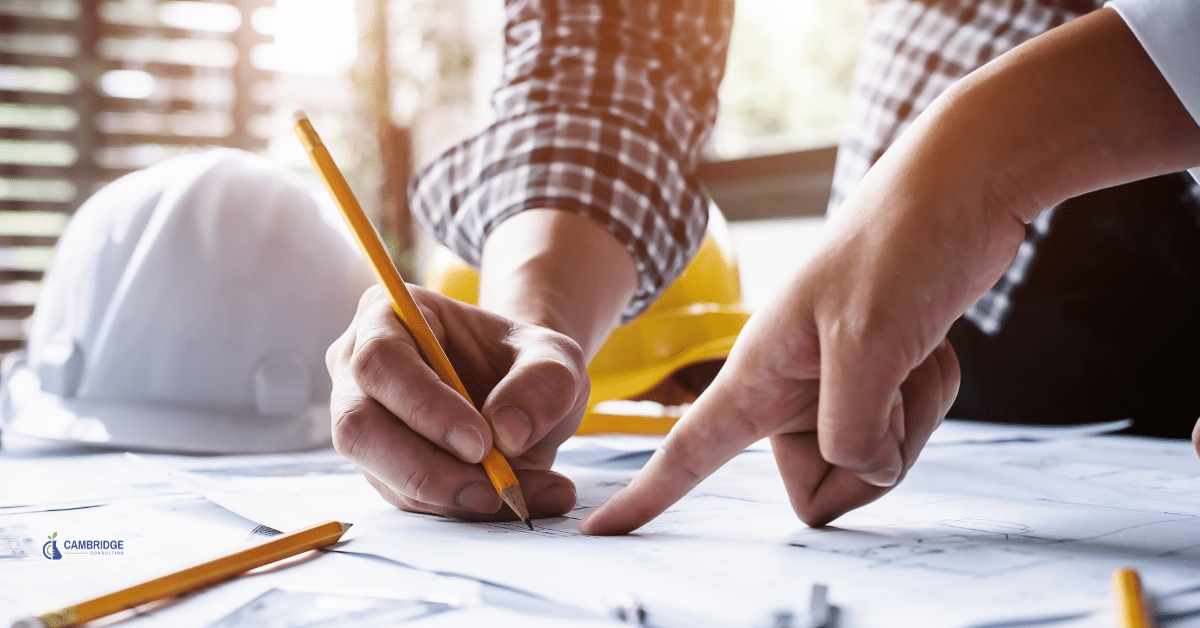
(558, 270)
(1079, 108)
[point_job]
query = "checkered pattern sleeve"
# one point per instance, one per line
(914, 50)
(602, 110)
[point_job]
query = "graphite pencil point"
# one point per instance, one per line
(515, 500)
(529, 522)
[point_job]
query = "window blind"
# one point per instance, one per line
(91, 90)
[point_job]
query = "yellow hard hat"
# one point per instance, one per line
(668, 354)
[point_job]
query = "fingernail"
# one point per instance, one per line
(480, 497)
(587, 525)
(584, 527)
(467, 442)
(885, 477)
(512, 427)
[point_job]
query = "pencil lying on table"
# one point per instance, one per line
(192, 578)
(1133, 610)
(497, 468)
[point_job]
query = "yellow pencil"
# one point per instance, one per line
(497, 468)
(192, 578)
(1132, 609)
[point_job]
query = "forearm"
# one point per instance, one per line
(602, 112)
(558, 270)
(1080, 108)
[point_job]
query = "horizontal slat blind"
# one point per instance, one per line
(91, 90)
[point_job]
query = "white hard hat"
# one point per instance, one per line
(188, 308)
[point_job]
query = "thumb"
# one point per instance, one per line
(544, 392)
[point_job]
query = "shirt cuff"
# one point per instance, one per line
(1169, 31)
(594, 165)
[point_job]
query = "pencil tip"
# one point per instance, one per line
(299, 115)
(346, 526)
(529, 522)
(515, 500)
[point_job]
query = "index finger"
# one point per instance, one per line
(713, 431)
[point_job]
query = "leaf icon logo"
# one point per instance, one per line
(50, 549)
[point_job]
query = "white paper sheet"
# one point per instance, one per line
(954, 432)
(163, 534)
(33, 484)
(978, 533)
(157, 535)
(991, 526)
(334, 581)
(284, 491)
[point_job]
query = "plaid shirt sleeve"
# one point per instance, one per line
(914, 50)
(602, 110)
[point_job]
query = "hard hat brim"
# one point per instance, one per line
(666, 342)
(27, 410)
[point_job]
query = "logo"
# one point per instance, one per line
(50, 549)
(86, 547)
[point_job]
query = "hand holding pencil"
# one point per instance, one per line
(418, 436)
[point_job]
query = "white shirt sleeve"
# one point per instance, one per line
(1169, 31)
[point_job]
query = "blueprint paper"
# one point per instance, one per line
(157, 535)
(40, 483)
(284, 491)
(991, 527)
(957, 432)
(494, 617)
(164, 534)
(692, 567)
(978, 534)
(280, 608)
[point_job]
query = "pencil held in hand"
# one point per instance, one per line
(192, 578)
(496, 466)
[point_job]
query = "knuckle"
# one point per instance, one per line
(571, 351)
(676, 457)
(369, 296)
(949, 367)
(410, 505)
(416, 484)
(892, 342)
(556, 377)
(745, 425)
(331, 357)
(349, 416)
(561, 372)
(335, 351)
(399, 500)
(687, 469)
(369, 360)
(417, 407)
